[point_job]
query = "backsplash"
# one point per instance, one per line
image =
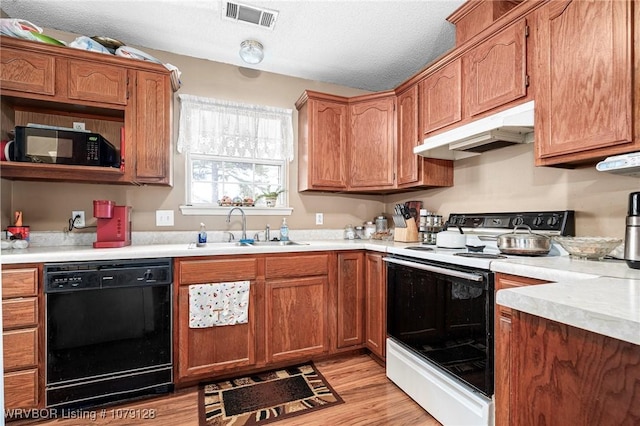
(55, 238)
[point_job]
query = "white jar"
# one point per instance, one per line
(369, 230)
(349, 233)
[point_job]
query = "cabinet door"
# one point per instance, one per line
(29, 72)
(203, 351)
(495, 71)
(90, 81)
(408, 137)
(152, 130)
(372, 144)
(502, 356)
(585, 87)
(296, 318)
(327, 144)
(414, 170)
(350, 299)
(375, 304)
(441, 98)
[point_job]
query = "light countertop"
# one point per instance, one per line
(598, 296)
(608, 306)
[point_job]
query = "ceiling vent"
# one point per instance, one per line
(264, 18)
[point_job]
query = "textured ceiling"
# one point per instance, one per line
(365, 44)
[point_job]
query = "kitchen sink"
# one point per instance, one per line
(273, 243)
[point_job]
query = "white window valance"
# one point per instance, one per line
(228, 129)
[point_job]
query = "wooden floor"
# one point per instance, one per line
(369, 399)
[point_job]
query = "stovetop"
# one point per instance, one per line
(478, 225)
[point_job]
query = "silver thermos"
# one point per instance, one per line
(632, 233)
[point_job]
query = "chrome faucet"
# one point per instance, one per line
(267, 233)
(244, 221)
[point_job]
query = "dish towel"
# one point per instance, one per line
(218, 304)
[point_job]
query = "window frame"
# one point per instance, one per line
(213, 209)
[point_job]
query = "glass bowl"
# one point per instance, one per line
(588, 247)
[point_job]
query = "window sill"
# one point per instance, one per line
(223, 211)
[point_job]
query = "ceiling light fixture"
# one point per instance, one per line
(251, 51)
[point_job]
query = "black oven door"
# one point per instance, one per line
(444, 313)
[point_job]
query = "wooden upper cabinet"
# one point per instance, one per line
(441, 98)
(408, 136)
(28, 72)
(495, 71)
(129, 102)
(372, 142)
(92, 81)
(322, 139)
(584, 89)
(412, 170)
(474, 16)
(152, 132)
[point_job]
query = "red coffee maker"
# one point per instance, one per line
(114, 224)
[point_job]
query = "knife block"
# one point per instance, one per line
(408, 234)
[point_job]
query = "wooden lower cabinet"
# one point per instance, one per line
(203, 352)
(296, 323)
(21, 389)
(296, 306)
(503, 349)
(22, 337)
(563, 375)
(350, 299)
(302, 305)
(375, 304)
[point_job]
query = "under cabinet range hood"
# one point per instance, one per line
(508, 127)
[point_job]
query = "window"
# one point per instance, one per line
(233, 151)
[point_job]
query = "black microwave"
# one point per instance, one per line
(52, 146)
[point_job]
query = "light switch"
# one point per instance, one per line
(164, 217)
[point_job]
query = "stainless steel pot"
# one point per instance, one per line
(524, 243)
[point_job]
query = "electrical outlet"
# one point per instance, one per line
(78, 126)
(164, 217)
(319, 218)
(79, 222)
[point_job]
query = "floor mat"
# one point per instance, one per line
(266, 397)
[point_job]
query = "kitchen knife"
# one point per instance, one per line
(398, 220)
(405, 212)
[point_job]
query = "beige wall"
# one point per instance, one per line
(47, 206)
(502, 180)
(505, 180)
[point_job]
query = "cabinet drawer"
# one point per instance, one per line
(19, 282)
(20, 313)
(21, 389)
(20, 348)
(218, 270)
(27, 72)
(97, 82)
(297, 266)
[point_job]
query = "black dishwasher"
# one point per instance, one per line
(108, 331)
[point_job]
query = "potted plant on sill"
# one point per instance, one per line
(270, 196)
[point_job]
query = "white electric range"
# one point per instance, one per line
(440, 313)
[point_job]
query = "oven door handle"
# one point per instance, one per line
(437, 269)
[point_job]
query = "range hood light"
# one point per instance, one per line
(511, 126)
